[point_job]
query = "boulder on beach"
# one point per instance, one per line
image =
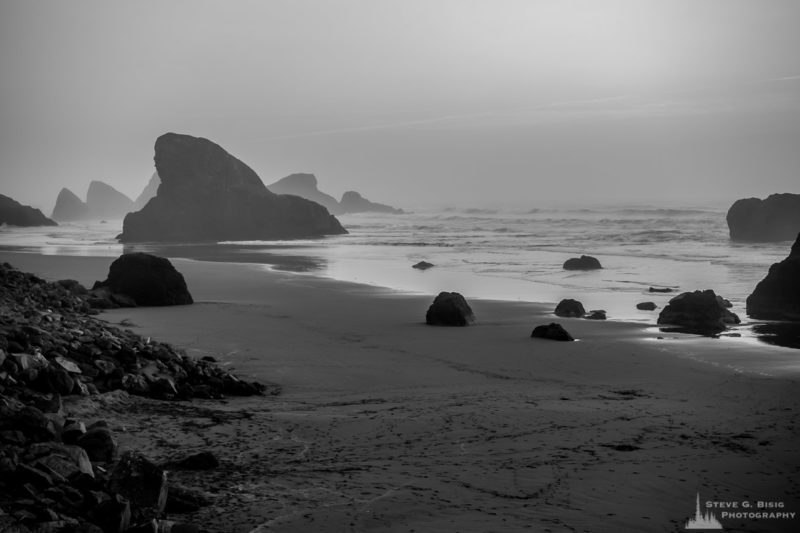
(701, 312)
(596, 314)
(449, 309)
(569, 308)
(777, 296)
(553, 331)
(646, 306)
(144, 279)
(422, 265)
(584, 262)
(13, 213)
(353, 202)
(69, 207)
(207, 195)
(776, 218)
(305, 186)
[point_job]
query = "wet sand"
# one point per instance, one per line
(386, 424)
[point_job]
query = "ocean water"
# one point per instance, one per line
(508, 254)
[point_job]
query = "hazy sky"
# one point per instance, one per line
(411, 102)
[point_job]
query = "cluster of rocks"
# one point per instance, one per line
(56, 473)
(102, 201)
(570, 308)
(701, 312)
(305, 186)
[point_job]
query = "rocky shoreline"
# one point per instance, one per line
(61, 471)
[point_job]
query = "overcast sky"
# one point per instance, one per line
(411, 102)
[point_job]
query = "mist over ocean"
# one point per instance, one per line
(504, 254)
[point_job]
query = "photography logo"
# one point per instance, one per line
(701, 520)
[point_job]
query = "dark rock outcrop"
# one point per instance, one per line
(13, 213)
(305, 186)
(422, 265)
(150, 190)
(659, 289)
(646, 306)
(701, 312)
(140, 480)
(777, 296)
(144, 279)
(449, 309)
(207, 195)
(69, 207)
(584, 262)
(596, 314)
(777, 218)
(553, 331)
(353, 202)
(104, 201)
(570, 308)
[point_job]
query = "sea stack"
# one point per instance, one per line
(13, 213)
(69, 207)
(104, 201)
(305, 186)
(353, 202)
(207, 195)
(777, 297)
(777, 218)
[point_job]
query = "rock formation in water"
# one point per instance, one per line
(777, 218)
(207, 195)
(777, 297)
(104, 201)
(352, 202)
(69, 207)
(13, 213)
(149, 192)
(701, 312)
(584, 262)
(570, 308)
(305, 186)
(143, 279)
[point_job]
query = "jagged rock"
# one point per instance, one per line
(777, 296)
(596, 314)
(140, 480)
(569, 308)
(207, 195)
(698, 312)
(646, 306)
(449, 309)
(777, 218)
(104, 201)
(422, 265)
(13, 213)
(99, 443)
(353, 202)
(146, 280)
(69, 207)
(552, 331)
(150, 191)
(305, 186)
(584, 262)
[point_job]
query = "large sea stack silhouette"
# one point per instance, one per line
(13, 213)
(102, 201)
(777, 218)
(207, 195)
(777, 296)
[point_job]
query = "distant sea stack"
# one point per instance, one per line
(352, 202)
(102, 201)
(305, 186)
(777, 218)
(777, 297)
(69, 207)
(149, 192)
(207, 195)
(13, 213)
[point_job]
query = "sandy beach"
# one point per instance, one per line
(386, 424)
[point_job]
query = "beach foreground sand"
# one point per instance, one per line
(386, 424)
